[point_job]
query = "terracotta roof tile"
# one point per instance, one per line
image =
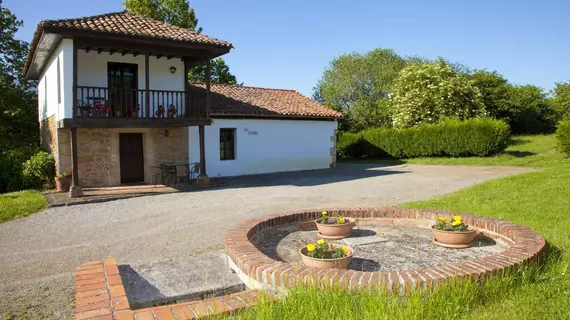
(236, 100)
(127, 23)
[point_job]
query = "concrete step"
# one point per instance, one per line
(193, 278)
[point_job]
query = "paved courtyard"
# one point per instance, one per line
(38, 254)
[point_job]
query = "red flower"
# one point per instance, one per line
(70, 171)
(108, 109)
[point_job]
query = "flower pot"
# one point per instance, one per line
(134, 114)
(453, 239)
(119, 113)
(338, 263)
(62, 185)
(84, 113)
(336, 231)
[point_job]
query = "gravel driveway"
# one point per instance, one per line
(38, 253)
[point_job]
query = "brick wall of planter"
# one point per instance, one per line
(525, 246)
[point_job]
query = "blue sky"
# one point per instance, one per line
(287, 44)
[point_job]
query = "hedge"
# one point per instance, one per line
(563, 135)
(474, 137)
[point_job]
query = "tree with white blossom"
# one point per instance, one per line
(429, 92)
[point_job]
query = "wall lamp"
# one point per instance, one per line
(173, 69)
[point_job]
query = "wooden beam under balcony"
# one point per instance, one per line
(80, 122)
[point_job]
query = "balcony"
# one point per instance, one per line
(103, 107)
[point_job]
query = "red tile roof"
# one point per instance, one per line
(243, 101)
(130, 24)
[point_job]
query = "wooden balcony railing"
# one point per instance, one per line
(101, 102)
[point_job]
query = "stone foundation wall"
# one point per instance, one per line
(99, 153)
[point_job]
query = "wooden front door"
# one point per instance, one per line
(131, 152)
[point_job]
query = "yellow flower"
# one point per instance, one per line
(321, 241)
(346, 250)
(457, 218)
(456, 223)
(341, 220)
(324, 213)
(311, 247)
(442, 219)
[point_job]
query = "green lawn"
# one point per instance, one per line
(539, 199)
(20, 204)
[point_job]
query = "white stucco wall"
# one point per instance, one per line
(48, 104)
(264, 146)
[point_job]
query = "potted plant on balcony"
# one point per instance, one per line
(172, 111)
(84, 110)
(323, 255)
(334, 227)
(63, 181)
(160, 112)
(452, 234)
(135, 111)
(119, 112)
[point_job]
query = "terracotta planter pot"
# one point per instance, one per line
(453, 239)
(340, 263)
(62, 185)
(336, 231)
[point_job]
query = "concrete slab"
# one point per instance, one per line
(361, 237)
(174, 281)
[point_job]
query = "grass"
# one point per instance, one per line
(539, 199)
(20, 204)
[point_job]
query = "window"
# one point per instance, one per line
(58, 82)
(227, 144)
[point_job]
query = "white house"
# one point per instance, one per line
(115, 104)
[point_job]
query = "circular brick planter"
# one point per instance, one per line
(258, 270)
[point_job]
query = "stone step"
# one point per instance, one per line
(192, 278)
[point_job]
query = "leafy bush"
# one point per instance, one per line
(563, 135)
(430, 92)
(11, 178)
(39, 171)
(475, 137)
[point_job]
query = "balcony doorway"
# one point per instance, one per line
(123, 88)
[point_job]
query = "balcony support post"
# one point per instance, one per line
(74, 80)
(75, 190)
(147, 86)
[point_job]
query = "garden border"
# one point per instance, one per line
(259, 271)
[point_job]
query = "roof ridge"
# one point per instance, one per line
(242, 86)
(86, 17)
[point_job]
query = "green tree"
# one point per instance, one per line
(358, 85)
(220, 72)
(432, 91)
(494, 89)
(531, 112)
(19, 134)
(18, 106)
(175, 12)
(179, 13)
(561, 98)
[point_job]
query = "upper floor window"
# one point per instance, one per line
(227, 144)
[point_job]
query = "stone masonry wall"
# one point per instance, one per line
(99, 153)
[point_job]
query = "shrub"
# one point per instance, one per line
(474, 137)
(11, 178)
(39, 171)
(563, 135)
(431, 92)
